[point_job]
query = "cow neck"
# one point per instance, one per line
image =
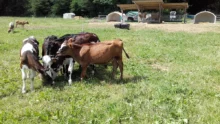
(76, 53)
(36, 65)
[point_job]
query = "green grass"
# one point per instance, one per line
(171, 77)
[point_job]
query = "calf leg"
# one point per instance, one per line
(24, 80)
(70, 70)
(32, 75)
(83, 73)
(120, 63)
(115, 66)
(65, 70)
(93, 69)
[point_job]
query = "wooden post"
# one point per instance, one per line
(184, 15)
(162, 13)
(159, 13)
(122, 20)
(139, 11)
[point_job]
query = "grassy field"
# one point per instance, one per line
(171, 77)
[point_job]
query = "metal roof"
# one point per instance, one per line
(127, 6)
(152, 4)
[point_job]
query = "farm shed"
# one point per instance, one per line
(158, 5)
(68, 15)
(116, 17)
(204, 16)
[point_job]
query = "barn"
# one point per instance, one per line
(116, 17)
(157, 5)
(68, 15)
(204, 16)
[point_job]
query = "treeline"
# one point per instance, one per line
(53, 8)
(89, 8)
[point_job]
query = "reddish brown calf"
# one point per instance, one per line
(99, 53)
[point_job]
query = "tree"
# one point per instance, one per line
(13, 7)
(40, 7)
(78, 6)
(215, 6)
(60, 6)
(196, 6)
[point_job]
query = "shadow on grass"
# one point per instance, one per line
(102, 75)
(14, 32)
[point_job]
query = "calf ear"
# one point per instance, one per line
(71, 40)
(70, 45)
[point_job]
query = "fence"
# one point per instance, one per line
(102, 17)
(217, 17)
(167, 18)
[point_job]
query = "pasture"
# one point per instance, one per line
(173, 76)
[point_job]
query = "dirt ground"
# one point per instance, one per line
(171, 27)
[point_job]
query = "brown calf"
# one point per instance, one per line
(21, 23)
(99, 53)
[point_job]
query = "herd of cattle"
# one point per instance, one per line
(59, 54)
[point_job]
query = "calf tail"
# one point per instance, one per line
(125, 53)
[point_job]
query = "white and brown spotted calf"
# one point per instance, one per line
(29, 62)
(11, 27)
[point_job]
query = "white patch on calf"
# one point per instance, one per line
(29, 38)
(24, 73)
(62, 45)
(47, 61)
(69, 61)
(11, 24)
(11, 27)
(32, 37)
(27, 47)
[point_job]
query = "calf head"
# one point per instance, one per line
(49, 72)
(67, 47)
(49, 75)
(49, 63)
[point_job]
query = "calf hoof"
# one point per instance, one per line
(23, 91)
(105, 66)
(70, 82)
(93, 72)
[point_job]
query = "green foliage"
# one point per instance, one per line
(40, 7)
(215, 6)
(13, 7)
(107, 2)
(89, 8)
(60, 7)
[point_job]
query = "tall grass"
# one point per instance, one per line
(171, 77)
